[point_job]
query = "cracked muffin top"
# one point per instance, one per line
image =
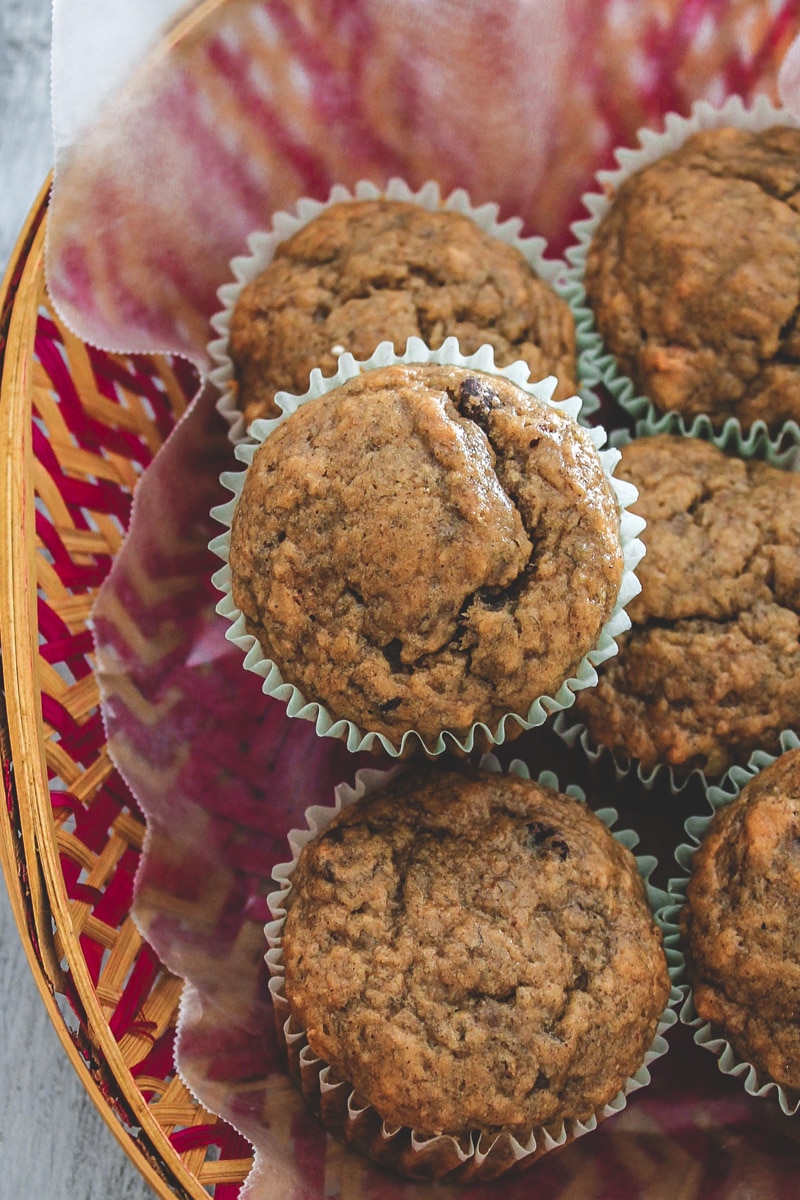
(426, 547)
(473, 951)
(694, 277)
(369, 271)
(710, 670)
(741, 922)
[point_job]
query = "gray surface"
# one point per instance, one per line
(53, 1143)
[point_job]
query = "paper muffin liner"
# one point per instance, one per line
(472, 1155)
(262, 245)
(596, 366)
(327, 725)
(737, 443)
(705, 1034)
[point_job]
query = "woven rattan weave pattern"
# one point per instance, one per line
(78, 428)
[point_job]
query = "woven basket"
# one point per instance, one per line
(77, 429)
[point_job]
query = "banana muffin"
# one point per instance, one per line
(693, 275)
(369, 271)
(710, 670)
(741, 923)
(473, 951)
(426, 547)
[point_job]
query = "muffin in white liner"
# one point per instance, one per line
(464, 1157)
(732, 440)
(262, 245)
(709, 1036)
(540, 708)
(597, 366)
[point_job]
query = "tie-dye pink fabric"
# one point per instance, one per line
(519, 101)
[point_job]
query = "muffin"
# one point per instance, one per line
(693, 276)
(473, 952)
(367, 271)
(426, 547)
(710, 669)
(741, 923)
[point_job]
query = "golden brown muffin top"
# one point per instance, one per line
(694, 276)
(426, 547)
(473, 951)
(710, 670)
(741, 922)
(369, 271)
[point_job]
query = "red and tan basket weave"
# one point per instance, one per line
(77, 429)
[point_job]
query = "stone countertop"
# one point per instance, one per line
(54, 1145)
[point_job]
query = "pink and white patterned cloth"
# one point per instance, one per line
(163, 172)
(256, 104)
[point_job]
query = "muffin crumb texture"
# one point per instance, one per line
(694, 277)
(473, 951)
(710, 670)
(426, 547)
(368, 271)
(741, 923)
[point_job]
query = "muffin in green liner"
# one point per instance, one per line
(485, 1151)
(360, 277)
(706, 674)
(733, 918)
(387, 575)
(692, 273)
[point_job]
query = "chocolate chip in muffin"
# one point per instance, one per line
(476, 399)
(546, 837)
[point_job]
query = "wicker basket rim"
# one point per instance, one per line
(28, 851)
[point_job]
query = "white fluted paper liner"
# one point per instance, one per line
(595, 364)
(263, 243)
(327, 725)
(731, 440)
(697, 827)
(473, 1155)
